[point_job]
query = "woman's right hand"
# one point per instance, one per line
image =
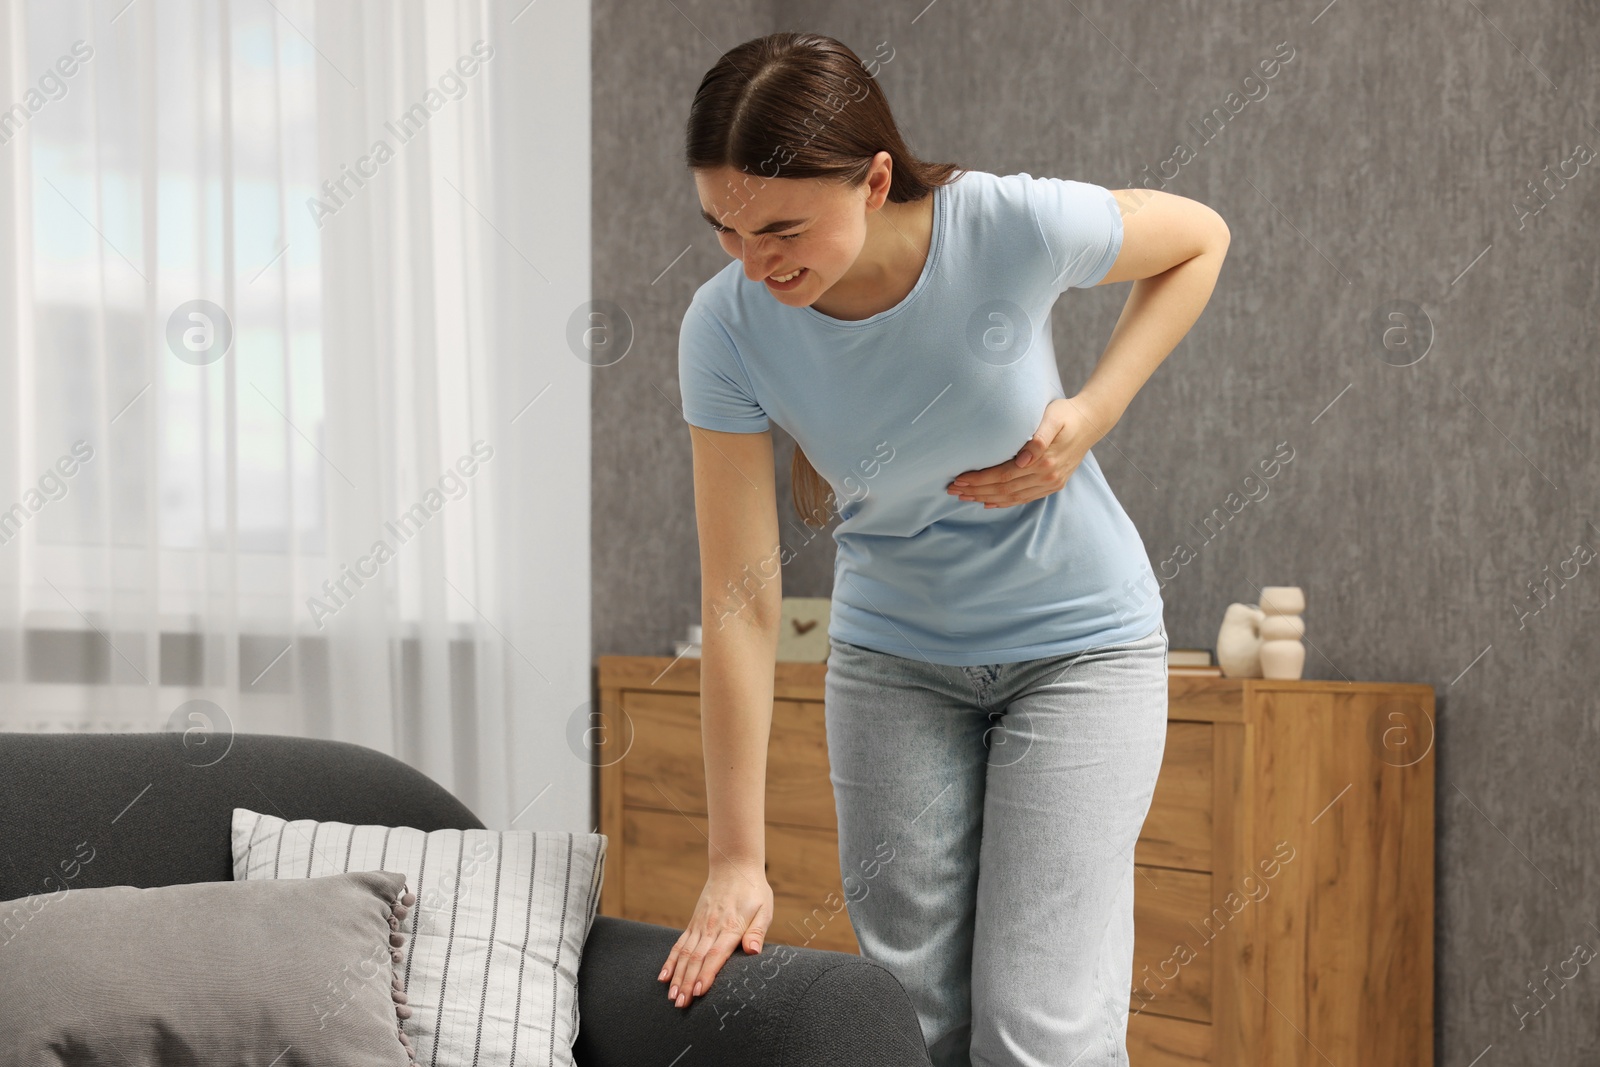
(734, 906)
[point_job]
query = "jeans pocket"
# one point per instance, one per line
(1156, 638)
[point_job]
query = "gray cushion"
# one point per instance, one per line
(215, 973)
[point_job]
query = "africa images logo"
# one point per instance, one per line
(52, 486)
(452, 85)
(452, 486)
(53, 85)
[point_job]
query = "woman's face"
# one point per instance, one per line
(775, 226)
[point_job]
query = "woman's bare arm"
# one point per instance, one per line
(736, 510)
(1172, 251)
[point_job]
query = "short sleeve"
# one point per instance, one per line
(712, 380)
(1081, 227)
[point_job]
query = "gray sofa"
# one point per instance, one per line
(157, 813)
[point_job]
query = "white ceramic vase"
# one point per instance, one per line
(1282, 652)
(1239, 641)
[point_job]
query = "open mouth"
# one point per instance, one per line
(799, 277)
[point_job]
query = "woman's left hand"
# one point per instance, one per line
(1043, 465)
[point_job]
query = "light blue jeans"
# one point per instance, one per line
(987, 820)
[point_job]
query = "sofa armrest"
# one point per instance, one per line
(795, 1006)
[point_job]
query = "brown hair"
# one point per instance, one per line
(803, 105)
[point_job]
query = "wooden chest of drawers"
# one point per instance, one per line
(1284, 904)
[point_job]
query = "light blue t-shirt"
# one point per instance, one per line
(953, 378)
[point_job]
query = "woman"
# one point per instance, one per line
(996, 685)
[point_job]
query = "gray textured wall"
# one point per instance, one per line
(1425, 504)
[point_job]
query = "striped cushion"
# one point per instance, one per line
(490, 964)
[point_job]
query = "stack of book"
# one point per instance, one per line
(1192, 662)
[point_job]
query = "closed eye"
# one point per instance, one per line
(781, 236)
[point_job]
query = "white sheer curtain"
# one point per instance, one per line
(264, 316)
